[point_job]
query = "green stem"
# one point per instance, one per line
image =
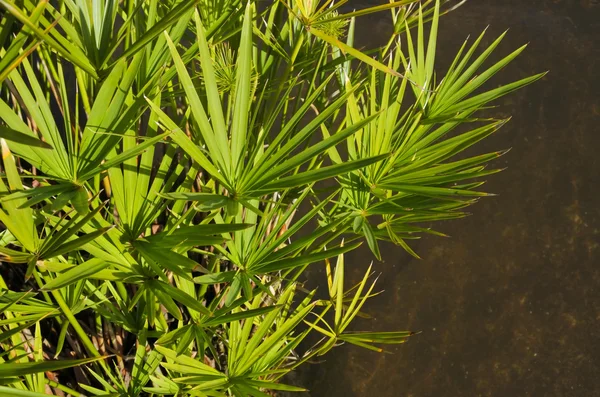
(288, 71)
(75, 324)
(66, 389)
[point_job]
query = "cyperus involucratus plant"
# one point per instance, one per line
(171, 168)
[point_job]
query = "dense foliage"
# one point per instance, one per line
(171, 168)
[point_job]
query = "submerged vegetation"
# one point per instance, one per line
(171, 168)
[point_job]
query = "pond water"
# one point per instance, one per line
(510, 304)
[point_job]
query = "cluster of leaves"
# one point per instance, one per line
(171, 168)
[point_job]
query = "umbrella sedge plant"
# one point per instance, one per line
(170, 169)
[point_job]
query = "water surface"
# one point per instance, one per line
(510, 305)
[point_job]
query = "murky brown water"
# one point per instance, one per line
(510, 305)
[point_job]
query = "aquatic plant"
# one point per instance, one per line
(170, 170)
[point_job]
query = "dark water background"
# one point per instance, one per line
(510, 304)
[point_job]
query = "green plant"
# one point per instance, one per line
(170, 169)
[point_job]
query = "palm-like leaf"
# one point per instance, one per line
(170, 169)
